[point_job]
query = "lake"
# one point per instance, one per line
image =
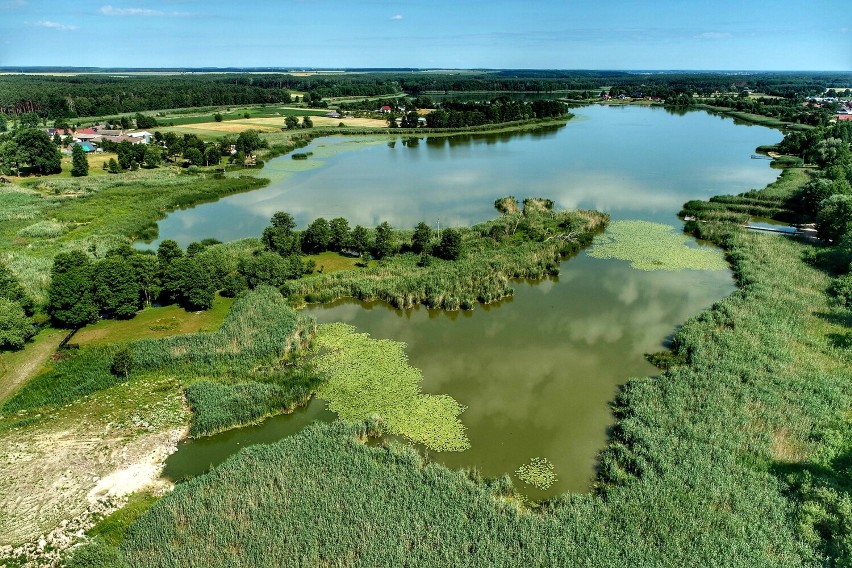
(536, 371)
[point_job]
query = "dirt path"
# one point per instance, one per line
(18, 368)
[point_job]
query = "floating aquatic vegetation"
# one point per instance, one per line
(367, 376)
(654, 246)
(539, 472)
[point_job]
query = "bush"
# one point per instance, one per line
(122, 363)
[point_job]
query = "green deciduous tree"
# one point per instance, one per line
(116, 290)
(281, 236)
(384, 244)
(291, 122)
(339, 234)
(317, 236)
(153, 156)
(15, 327)
(71, 301)
(360, 239)
(834, 218)
(79, 162)
(38, 151)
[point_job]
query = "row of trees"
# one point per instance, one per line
(83, 290)
(459, 114)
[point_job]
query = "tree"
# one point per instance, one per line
(249, 141)
(268, 268)
(71, 302)
(153, 157)
(212, 155)
(291, 122)
(281, 237)
(3, 124)
(79, 162)
(146, 274)
(218, 117)
(168, 252)
(384, 246)
(194, 157)
(360, 239)
(38, 151)
(116, 290)
(834, 218)
(450, 247)
(339, 234)
(422, 238)
(29, 120)
(197, 288)
(113, 166)
(15, 327)
(317, 236)
(307, 122)
(57, 141)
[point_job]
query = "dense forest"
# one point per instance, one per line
(58, 97)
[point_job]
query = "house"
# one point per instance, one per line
(333, 115)
(86, 146)
(144, 136)
(844, 117)
(385, 109)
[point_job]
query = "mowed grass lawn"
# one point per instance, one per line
(335, 262)
(152, 323)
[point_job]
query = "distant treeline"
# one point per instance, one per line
(55, 97)
(88, 95)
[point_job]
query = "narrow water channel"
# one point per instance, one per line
(536, 372)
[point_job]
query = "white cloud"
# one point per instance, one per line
(110, 10)
(713, 35)
(55, 25)
(396, 17)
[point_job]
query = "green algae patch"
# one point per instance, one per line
(367, 377)
(539, 473)
(654, 246)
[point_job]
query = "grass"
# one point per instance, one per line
(17, 367)
(45, 216)
(737, 455)
(153, 323)
(328, 262)
(260, 329)
(367, 377)
(654, 246)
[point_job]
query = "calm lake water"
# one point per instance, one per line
(538, 370)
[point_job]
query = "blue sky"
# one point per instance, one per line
(540, 34)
